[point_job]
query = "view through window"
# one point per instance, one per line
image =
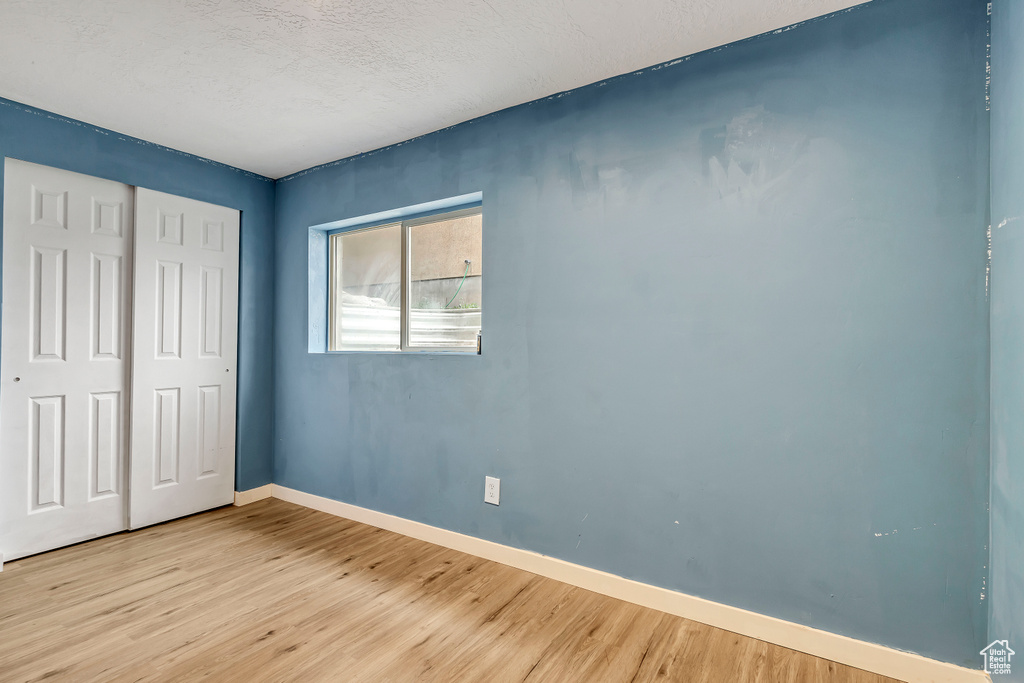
(410, 286)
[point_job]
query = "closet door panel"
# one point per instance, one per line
(185, 340)
(67, 252)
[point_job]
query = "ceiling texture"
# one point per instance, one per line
(277, 86)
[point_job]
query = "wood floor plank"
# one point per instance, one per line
(276, 592)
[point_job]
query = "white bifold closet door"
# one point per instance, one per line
(184, 361)
(64, 358)
(117, 358)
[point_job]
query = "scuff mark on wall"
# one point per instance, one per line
(752, 153)
(592, 182)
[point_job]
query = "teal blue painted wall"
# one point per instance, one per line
(43, 138)
(1006, 582)
(735, 330)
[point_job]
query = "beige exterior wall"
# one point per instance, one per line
(439, 251)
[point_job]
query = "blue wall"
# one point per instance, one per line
(1006, 590)
(736, 337)
(37, 136)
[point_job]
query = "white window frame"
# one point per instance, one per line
(334, 270)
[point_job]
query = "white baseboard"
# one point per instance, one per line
(903, 666)
(252, 495)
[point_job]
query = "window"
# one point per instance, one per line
(414, 285)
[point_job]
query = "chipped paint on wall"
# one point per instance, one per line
(1003, 578)
(988, 255)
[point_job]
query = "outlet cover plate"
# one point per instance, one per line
(492, 490)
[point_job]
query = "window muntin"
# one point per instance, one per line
(409, 286)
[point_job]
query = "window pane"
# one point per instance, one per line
(367, 289)
(446, 274)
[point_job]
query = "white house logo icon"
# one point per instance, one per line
(997, 657)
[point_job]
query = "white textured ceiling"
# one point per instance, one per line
(276, 86)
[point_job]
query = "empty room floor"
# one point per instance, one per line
(276, 592)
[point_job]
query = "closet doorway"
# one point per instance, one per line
(118, 355)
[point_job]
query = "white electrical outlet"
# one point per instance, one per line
(492, 490)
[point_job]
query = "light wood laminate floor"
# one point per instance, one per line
(275, 592)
